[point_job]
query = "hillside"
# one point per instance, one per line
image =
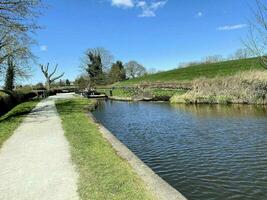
(212, 70)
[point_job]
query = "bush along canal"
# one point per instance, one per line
(192, 148)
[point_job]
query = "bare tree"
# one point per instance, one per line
(16, 54)
(241, 54)
(213, 59)
(49, 77)
(17, 21)
(12, 43)
(134, 69)
(188, 64)
(105, 56)
(152, 70)
(4, 41)
(19, 15)
(256, 41)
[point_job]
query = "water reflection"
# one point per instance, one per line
(234, 110)
(206, 152)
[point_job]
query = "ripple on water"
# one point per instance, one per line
(206, 152)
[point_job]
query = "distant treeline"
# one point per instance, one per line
(99, 68)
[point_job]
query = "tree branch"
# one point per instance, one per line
(58, 77)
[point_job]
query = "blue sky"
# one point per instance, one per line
(157, 33)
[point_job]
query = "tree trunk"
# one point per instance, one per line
(47, 85)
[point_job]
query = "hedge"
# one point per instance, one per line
(13, 99)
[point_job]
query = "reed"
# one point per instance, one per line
(248, 87)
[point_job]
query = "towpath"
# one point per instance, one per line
(35, 162)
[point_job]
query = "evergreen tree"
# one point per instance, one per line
(67, 82)
(95, 68)
(10, 75)
(117, 72)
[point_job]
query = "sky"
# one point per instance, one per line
(158, 34)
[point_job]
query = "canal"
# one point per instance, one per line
(206, 152)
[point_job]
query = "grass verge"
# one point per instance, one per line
(102, 173)
(11, 120)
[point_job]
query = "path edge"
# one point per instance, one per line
(153, 182)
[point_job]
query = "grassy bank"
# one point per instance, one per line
(103, 174)
(244, 88)
(11, 120)
(120, 92)
(157, 94)
(176, 76)
(237, 81)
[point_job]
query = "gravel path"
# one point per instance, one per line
(35, 162)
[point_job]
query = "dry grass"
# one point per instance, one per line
(3, 94)
(244, 87)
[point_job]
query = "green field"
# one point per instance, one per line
(225, 68)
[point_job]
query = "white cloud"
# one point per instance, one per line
(44, 48)
(141, 4)
(231, 27)
(148, 8)
(146, 12)
(158, 4)
(199, 14)
(123, 3)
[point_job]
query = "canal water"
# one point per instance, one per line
(205, 151)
